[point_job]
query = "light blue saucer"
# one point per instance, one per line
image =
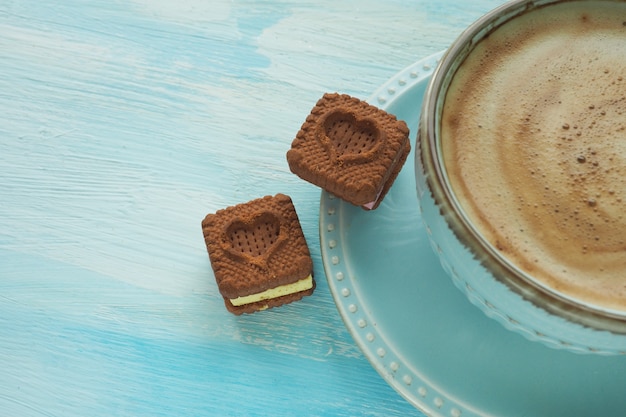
(420, 333)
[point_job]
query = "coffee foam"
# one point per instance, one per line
(534, 140)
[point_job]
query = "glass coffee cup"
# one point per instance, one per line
(521, 170)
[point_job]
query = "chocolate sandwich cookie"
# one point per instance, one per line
(351, 149)
(259, 255)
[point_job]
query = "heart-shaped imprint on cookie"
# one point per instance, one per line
(256, 239)
(350, 139)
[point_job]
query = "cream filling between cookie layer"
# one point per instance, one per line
(302, 285)
(371, 203)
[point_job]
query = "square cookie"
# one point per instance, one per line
(259, 255)
(351, 149)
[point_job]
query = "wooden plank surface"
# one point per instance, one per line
(122, 124)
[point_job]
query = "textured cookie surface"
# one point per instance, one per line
(392, 176)
(257, 246)
(349, 148)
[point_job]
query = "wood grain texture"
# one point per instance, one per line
(123, 124)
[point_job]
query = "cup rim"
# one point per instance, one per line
(500, 267)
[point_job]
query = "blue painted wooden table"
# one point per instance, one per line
(123, 123)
